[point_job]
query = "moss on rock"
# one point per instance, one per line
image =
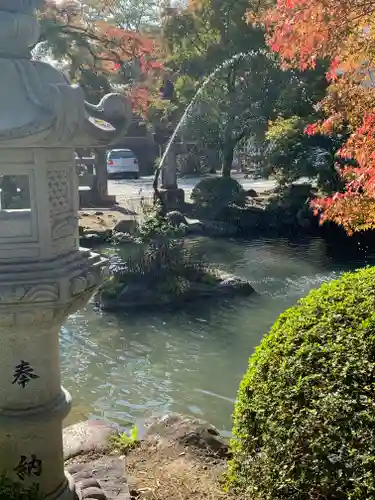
(304, 421)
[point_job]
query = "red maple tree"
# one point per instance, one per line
(85, 35)
(342, 32)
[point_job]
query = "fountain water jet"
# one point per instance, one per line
(163, 161)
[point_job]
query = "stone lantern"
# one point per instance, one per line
(44, 275)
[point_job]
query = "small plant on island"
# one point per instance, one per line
(304, 421)
(163, 269)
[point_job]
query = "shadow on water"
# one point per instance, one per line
(123, 367)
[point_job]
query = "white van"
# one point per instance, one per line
(122, 163)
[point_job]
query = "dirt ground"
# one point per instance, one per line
(100, 220)
(156, 471)
(177, 458)
(174, 472)
(101, 224)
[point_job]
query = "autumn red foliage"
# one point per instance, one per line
(342, 32)
(97, 44)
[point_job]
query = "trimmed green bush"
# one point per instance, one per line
(304, 421)
(218, 192)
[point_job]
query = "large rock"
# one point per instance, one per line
(252, 193)
(133, 296)
(127, 225)
(212, 229)
(101, 478)
(187, 431)
(176, 218)
(231, 283)
(195, 227)
(247, 220)
(142, 295)
(93, 238)
(86, 437)
(122, 239)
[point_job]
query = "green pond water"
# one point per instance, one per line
(126, 367)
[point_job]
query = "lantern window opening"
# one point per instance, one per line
(14, 193)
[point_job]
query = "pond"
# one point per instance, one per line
(126, 367)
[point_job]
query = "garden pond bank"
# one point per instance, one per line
(125, 367)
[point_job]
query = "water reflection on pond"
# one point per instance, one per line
(123, 367)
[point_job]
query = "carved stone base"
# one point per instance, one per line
(90, 489)
(66, 492)
(102, 478)
(35, 299)
(172, 198)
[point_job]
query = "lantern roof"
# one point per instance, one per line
(39, 106)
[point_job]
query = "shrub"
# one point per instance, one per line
(161, 260)
(156, 229)
(10, 490)
(287, 203)
(125, 442)
(217, 193)
(162, 248)
(304, 421)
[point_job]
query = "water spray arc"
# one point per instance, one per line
(206, 81)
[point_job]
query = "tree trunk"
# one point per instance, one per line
(228, 154)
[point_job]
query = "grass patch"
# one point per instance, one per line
(125, 442)
(12, 490)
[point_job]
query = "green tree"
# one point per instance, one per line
(291, 154)
(198, 39)
(247, 92)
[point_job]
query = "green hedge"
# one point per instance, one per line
(304, 421)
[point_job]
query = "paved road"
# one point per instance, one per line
(125, 189)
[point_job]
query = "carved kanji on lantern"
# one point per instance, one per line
(23, 373)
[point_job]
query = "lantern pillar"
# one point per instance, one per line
(44, 274)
